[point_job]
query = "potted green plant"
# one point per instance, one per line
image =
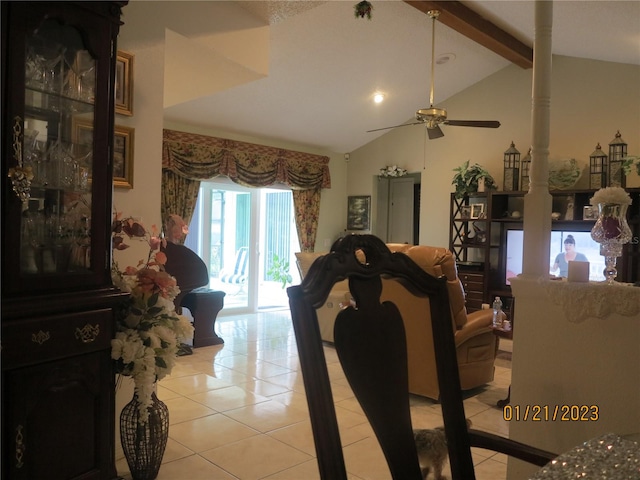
(629, 162)
(279, 270)
(467, 177)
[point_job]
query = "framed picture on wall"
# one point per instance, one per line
(359, 212)
(124, 83)
(123, 156)
(122, 149)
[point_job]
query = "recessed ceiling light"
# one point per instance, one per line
(445, 57)
(378, 97)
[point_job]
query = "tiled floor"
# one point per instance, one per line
(238, 411)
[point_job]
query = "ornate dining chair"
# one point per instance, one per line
(371, 346)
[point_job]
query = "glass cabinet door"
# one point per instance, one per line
(58, 174)
(60, 85)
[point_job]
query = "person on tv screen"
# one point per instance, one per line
(569, 255)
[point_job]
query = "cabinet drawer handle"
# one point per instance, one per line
(88, 333)
(20, 447)
(40, 337)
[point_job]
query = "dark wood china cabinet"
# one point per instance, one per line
(58, 303)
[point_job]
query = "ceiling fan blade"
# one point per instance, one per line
(395, 126)
(473, 123)
(435, 132)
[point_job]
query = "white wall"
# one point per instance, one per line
(143, 200)
(590, 101)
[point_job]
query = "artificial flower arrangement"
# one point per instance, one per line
(392, 171)
(611, 195)
(148, 331)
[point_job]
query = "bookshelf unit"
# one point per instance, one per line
(478, 223)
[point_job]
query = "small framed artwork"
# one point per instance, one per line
(589, 212)
(477, 211)
(124, 83)
(123, 156)
(358, 212)
(122, 149)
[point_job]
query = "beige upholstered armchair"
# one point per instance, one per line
(476, 344)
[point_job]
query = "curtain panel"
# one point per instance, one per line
(188, 158)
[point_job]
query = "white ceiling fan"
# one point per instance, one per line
(433, 117)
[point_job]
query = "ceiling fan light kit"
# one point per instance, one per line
(433, 117)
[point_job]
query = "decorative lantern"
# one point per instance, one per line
(511, 169)
(597, 168)
(525, 167)
(617, 151)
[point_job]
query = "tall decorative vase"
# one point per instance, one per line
(144, 443)
(481, 185)
(611, 231)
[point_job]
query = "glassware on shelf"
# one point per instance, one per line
(34, 69)
(60, 162)
(34, 156)
(44, 66)
(81, 251)
(81, 77)
(82, 162)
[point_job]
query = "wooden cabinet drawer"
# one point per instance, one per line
(472, 287)
(27, 342)
(475, 296)
(471, 277)
(472, 283)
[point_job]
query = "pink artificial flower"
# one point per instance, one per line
(153, 281)
(154, 243)
(161, 258)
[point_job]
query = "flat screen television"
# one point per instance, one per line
(514, 248)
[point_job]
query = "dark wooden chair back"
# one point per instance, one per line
(188, 269)
(371, 346)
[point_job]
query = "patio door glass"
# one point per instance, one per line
(247, 238)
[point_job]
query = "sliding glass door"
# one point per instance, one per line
(247, 238)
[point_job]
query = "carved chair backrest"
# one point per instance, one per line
(371, 344)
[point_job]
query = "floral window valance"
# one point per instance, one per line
(200, 157)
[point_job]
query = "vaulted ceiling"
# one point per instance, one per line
(306, 71)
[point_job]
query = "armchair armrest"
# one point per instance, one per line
(477, 323)
(512, 448)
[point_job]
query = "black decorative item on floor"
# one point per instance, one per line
(144, 443)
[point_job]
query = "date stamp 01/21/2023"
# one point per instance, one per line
(551, 413)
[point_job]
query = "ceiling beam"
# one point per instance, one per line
(470, 24)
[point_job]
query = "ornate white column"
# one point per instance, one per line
(538, 202)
